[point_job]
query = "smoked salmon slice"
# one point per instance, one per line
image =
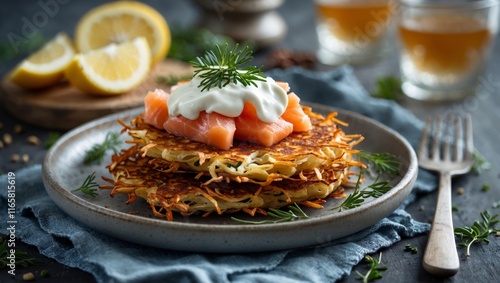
(260, 132)
(213, 129)
(250, 128)
(155, 108)
(295, 114)
(219, 130)
(284, 85)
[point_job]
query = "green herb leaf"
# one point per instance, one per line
(96, 154)
(496, 204)
(388, 88)
(24, 48)
(89, 186)
(52, 139)
(358, 196)
(376, 189)
(485, 188)
(381, 162)
(172, 79)
(188, 43)
(409, 248)
(294, 213)
(374, 271)
(44, 273)
(219, 68)
(478, 232)
(480, 163)
(22, 258)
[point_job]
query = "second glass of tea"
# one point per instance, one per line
(444, 46)
(354, 31)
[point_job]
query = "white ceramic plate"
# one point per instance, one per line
(64, 171)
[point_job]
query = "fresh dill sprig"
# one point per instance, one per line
(51, 140)
(219, 68)
(358, 196)
(22, 257)
(478, 232)
(374, 271)
(294, 213)
(381, 162)
(96, 153)
(89, 186)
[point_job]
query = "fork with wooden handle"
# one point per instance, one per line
(447, 150)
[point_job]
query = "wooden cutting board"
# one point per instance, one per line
(64, 107)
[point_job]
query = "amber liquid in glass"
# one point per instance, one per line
(350, 22)
(445, 44)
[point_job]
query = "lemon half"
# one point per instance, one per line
(123, 21)
(113, 69)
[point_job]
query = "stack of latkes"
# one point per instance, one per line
(175, 174)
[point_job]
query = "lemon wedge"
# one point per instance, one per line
(113, 69)
(122, 21)
(46, 66)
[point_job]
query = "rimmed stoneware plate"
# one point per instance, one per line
(63, 171)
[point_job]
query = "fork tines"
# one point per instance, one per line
(447, 137)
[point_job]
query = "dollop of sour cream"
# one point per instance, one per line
(269, 99)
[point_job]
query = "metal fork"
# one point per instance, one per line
(446, 147)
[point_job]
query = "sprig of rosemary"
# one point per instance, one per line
(381, 162)
(358, 196)
(96, 153)
(374, 271)
(22, 258)
(89, 186)
(478, 232)
(294, 213)
(219, 68)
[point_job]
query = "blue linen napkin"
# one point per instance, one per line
(41, 223)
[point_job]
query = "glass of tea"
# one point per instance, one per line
(444, 46)
(354, 31)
